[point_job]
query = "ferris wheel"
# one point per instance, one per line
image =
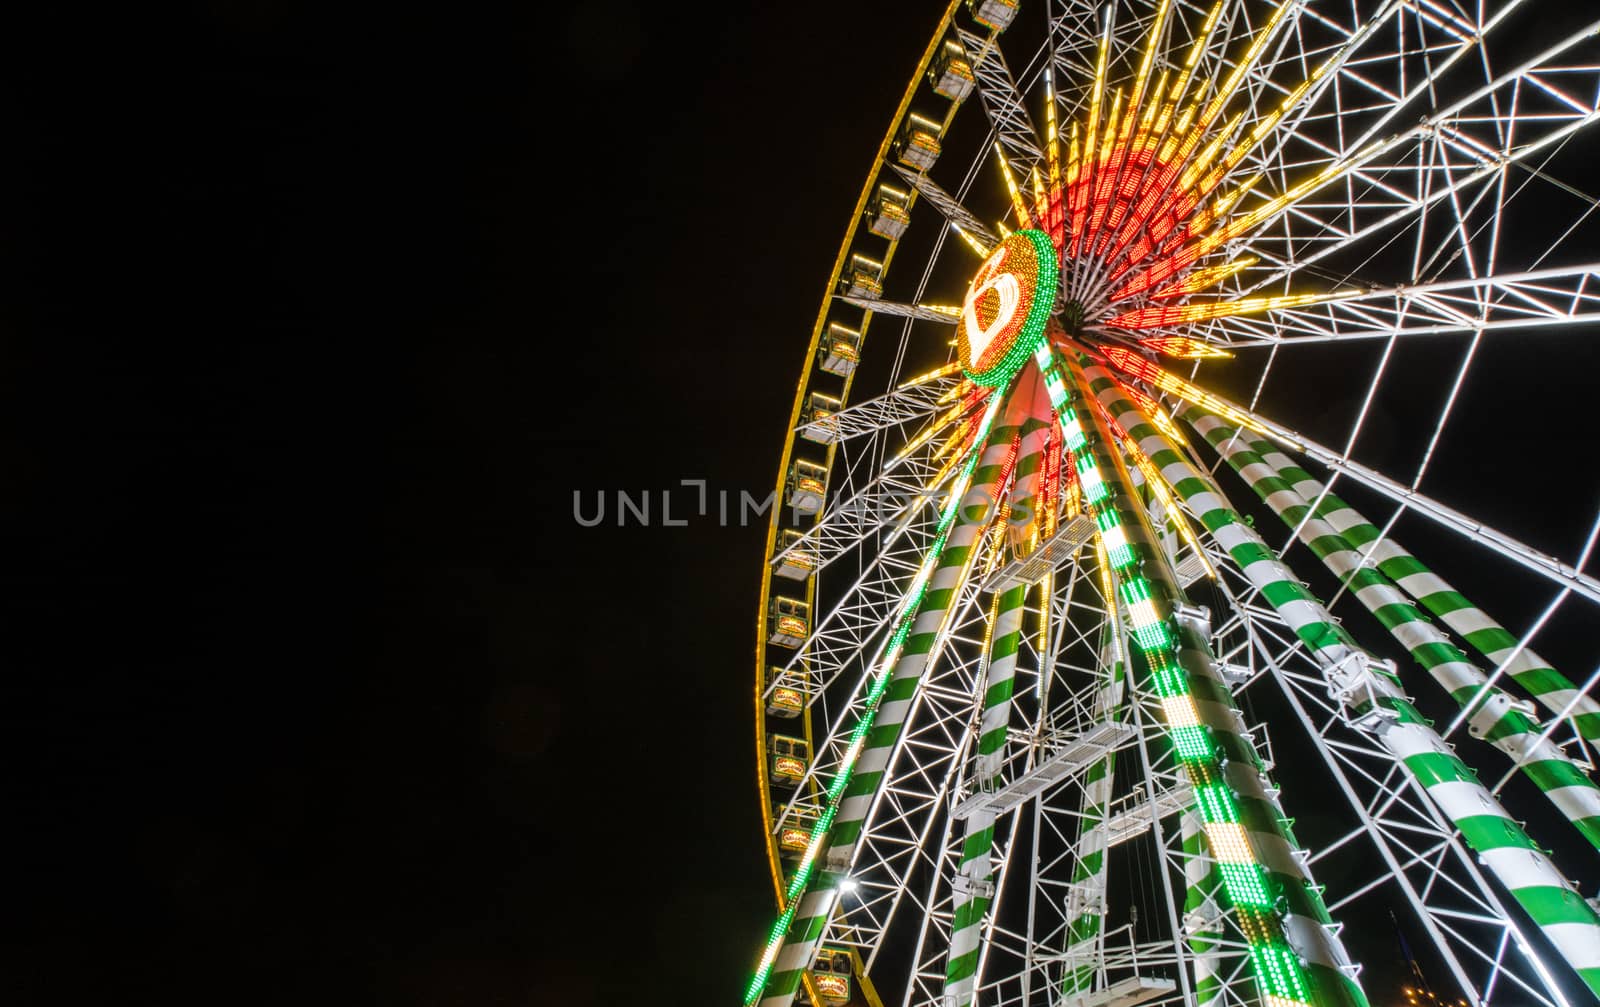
(1088, 570)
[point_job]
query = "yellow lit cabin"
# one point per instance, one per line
(794, 832)
(808, 486)
(818, 409)
(863, 277)
(888, 214)
(793, 558)
(918, 146)
(831, 975)
(840, 350)
(788, 691)
(996, 14)
(790, 759)
(950, 74)
(788, 621)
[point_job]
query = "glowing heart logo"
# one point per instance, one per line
(980, 335)
(1007, 305)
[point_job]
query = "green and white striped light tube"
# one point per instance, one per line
(1494, 716)
(1553, 690)
(1295, 957)
(1555, 906)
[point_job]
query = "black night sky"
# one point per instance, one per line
(312, 322)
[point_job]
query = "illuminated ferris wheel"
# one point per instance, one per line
(1037, 689)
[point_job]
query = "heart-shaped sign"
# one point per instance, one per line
(1007, 305)
(979, 336)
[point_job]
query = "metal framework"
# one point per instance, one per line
(1052, 609)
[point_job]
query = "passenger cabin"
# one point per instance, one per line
(950, 74)
(790, 759)
(814, 418)
(793, 557)
(808, 486)
(995, 14)
(788, 621)
(840, 350)
(918, 146)
(794, 832)
(888, 215)
(831, 975)
(788, 690)
(863, 277)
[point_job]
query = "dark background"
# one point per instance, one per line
(312, 323)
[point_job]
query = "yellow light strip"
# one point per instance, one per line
(973, 242)
(1185, 348)
(1018, 206)
(1179, 711)
(1141, 79)
(1096, 98)
(1110, 596)
(1164, 423)
(1205, 311)
(1052, 139)
(956, 390)
(1046, 592)
(1041, 199)
(1076, 169)
(1190, 180)
(1201, 279)
(1152, 107)
(1152, 410)
(933, 431)
(1231, 85)
(1180, 85)
(1098, 92)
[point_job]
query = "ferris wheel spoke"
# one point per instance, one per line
(900, 489)
(1547, 298)
(963, 219)
(915, 399)
(1466, 143)
(1003, 103)
(937, 313)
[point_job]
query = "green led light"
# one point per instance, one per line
(1154, 637)
(1215, 803)
(1192, 743)
(1279, 969)
(1075, 438)
(1169, 681)
(1246, 885)
(1031, 287)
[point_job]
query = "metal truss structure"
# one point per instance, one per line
(998, 802)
